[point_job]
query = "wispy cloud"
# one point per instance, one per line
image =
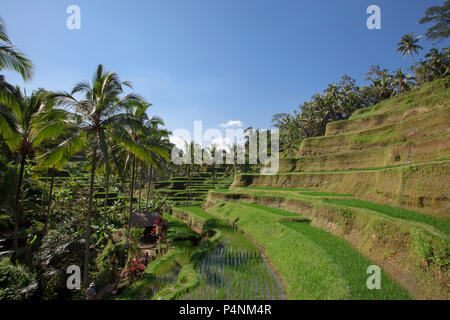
(232, 123)
(179, 142)
(221, 143)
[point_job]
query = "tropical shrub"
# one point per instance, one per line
(108, 261)
(60, 248)
(16, 282)
(135, 269)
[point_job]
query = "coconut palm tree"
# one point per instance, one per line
(438, 62)
(144, 134)
(35, 121)
(290, 127)
(8, 99)
(333, 100)
(13, 60)
(401, 82)
(234, 150)
(408, 45)
(383, 87)
(158, 139)
(187, 166)
(103, 115)
(109, 163)
(212, 150)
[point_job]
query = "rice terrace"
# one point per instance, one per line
(104, 195)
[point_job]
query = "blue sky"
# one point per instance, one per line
(212, 60)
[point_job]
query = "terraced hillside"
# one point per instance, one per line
(180, 192)
(379, 180)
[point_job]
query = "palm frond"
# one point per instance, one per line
(13, 59)
(65, 150)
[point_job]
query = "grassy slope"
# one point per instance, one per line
(443, 160)
(438, 223)
(419, 187)
(308, 270)
(351, 264)
(429, 94)
(396, 212)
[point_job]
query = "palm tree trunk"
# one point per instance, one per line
(187, 184)
(16, 162)
(105, 207)
(214, 176)
(88, 220)
(131, 193)
(16, 208)
(149, 190)
(140, 186)
(47, 217)
(412, 58)
(43, 192)
(187, 188)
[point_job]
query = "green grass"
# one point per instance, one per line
(307, 192)
(273, 189)
(350, 170)
(233, 269)
(352, 265)
(272, 210)
(178, 231)
(438, 223)
(198, 212)
(306, 261)
(429, 94)
(326, 194)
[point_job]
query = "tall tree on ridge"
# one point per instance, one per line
(408, 45)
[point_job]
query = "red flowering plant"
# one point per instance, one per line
(135, 269)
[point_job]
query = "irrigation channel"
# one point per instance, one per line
(231, 269)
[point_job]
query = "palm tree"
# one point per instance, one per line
(290, 127)
(8, 98)
(234, 150)
(138, 134)
(103, 117)
(401, 82)
(158, 139)
(438, 62)
(187, 166)
(383, 87)
(408, 45)
(333, 100)
(213, 151)
(13, 60)
(35, 121)
(108, 162)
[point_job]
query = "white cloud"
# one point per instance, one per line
(221, 143)
(232, 123)
(178, 142)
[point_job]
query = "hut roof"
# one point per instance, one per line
(143, 219)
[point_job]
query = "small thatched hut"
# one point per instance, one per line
(146, 220)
